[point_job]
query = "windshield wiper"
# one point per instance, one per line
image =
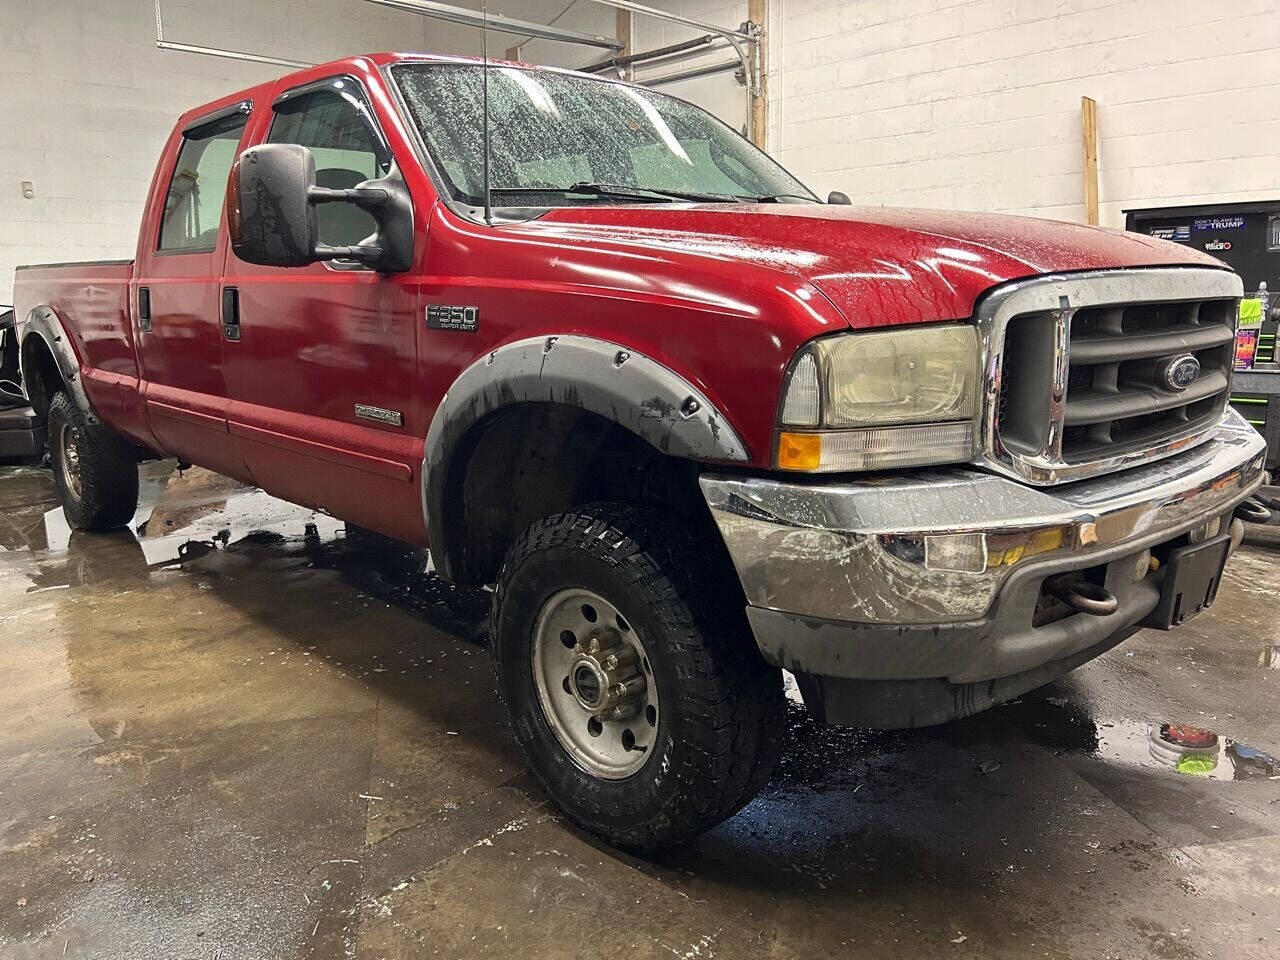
(779, 197)
(624, 191)
(621, 189)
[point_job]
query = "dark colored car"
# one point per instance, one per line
(22, 433)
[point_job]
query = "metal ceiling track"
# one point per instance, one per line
(668, 54)
(499, 23)
(745, 42)
(424, 8)
(164, 44)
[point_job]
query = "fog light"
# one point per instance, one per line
(957, 552)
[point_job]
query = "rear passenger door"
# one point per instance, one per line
(176, 306)
(323, 375)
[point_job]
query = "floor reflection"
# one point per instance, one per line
(183, 518)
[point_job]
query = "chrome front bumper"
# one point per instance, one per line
(938, 553)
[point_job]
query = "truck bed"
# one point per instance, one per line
(92, 291)
(91, 302)
(92, 299)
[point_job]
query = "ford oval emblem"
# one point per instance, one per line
(1180, 372)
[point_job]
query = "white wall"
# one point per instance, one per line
(90, 101)
(975, 104)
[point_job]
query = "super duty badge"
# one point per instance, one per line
(462, 319)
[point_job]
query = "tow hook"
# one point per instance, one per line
(1083, 596)
(1251, 511)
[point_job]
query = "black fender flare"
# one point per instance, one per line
(629, 388)
(45, 324)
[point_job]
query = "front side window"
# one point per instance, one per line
(193, 206)
(551, 132)
(334, 125)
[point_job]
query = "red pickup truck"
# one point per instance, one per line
(693, 423)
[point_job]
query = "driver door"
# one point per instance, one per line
(322, 359)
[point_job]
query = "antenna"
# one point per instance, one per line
(484, 133)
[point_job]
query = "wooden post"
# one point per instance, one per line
(1089, 130)
(624, 34)
(513, 53)
(758, 13)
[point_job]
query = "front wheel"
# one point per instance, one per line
(95, 469)
(630, 677)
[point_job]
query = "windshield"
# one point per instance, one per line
(559, 139)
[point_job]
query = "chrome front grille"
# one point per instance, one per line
(1079, 369)
(1117, 395)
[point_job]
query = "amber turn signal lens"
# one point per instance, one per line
(799, 451)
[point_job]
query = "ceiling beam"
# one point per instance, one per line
(677, 18)
(499, 23)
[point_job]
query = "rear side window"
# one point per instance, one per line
(198, 187)
(335, 125)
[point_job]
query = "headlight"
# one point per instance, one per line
(892, 398)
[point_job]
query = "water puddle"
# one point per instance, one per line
(197, 521)
(1062, 725)
(1185, 749)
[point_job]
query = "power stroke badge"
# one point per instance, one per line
(461, 319)
(380, 414)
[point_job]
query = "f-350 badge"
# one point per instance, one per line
(461, 319)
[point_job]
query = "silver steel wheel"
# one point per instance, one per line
(69, 455)
(595, 684)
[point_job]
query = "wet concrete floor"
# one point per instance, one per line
(247, 732)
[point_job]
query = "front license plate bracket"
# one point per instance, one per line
(1192, 575)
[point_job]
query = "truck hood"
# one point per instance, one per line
(877, 265)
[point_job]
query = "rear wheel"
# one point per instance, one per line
(95, 469)
(630, 677)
